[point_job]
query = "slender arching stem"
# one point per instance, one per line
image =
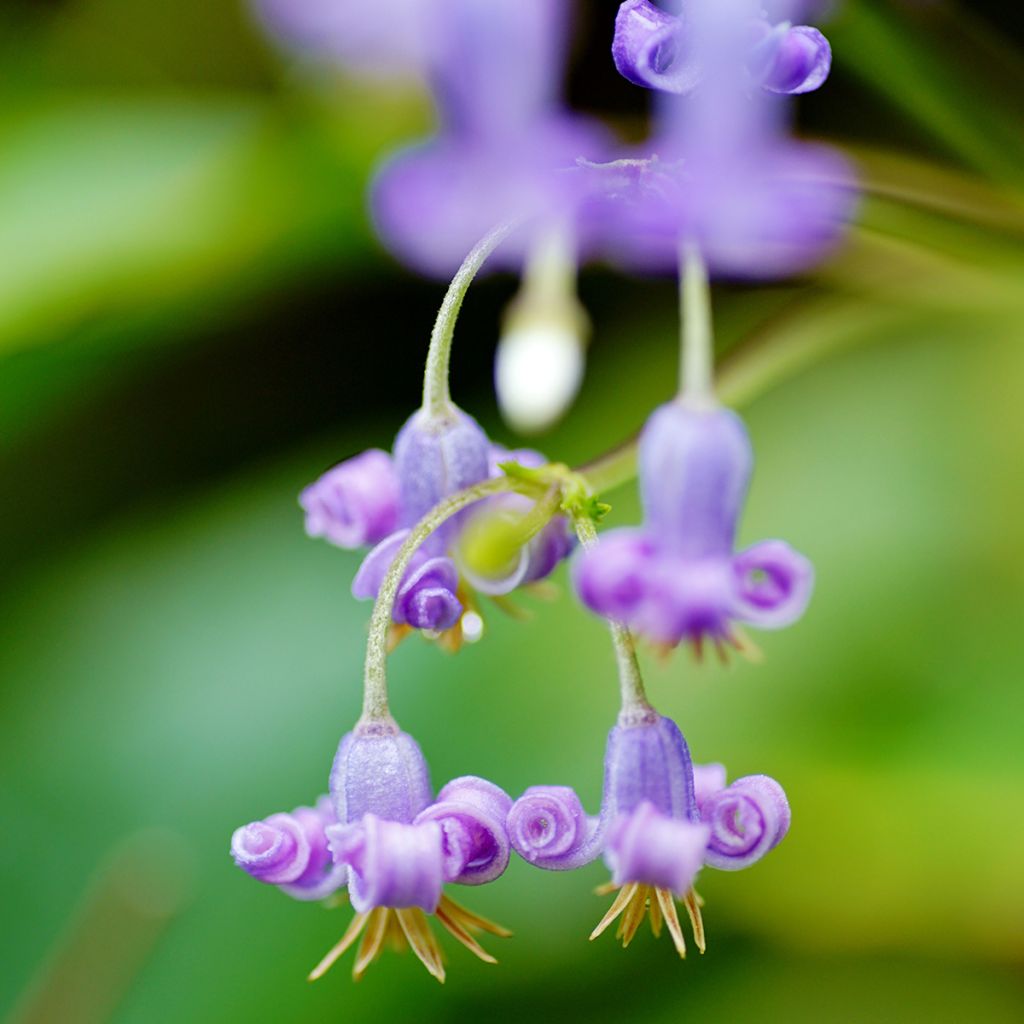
(635, 705)
(697, 355)
(437, 399)
(375, 686)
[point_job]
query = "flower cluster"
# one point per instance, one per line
(376, 498)
(449, 516)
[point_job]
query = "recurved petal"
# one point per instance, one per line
(650, 48)
(611, 577)
(548, 827)
(390, 864)
(649, 848)
(746, 819)
(471, 812)
(774, 584)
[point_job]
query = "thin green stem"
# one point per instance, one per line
(697, 358)
(437, 399)
(635, 705)
(375, 685)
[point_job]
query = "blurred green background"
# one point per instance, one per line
(195, 321)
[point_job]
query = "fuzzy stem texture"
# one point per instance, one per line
(635, 705)
(437, 399)
(697, 358)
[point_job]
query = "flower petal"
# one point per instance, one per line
(774, 584)
(747, 819)
(652, 849)
(649, 48)
(472, 812)
(548, 827)
(390, 864)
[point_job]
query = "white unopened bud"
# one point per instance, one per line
(538, 371)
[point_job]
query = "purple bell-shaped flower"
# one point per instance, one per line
(656, 828)
(677, 577)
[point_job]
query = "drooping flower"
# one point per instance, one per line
(504, 142)
(384, 834)
(720, 172)
(655, 830)
(678, 576)
(655, 49)
(433, 458)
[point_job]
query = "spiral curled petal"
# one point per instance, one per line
(472, 812)
(548, 827)
(747, 819)
(426, 598)
(649, 48)
(355, 502)
(290, 851)
(774, 584)
(390, 864)
(648, 847)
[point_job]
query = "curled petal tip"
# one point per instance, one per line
(650, 48)
(774, 584)
(548, 827)
(747, 819)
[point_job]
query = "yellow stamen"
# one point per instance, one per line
(450, 641)
(545, 590)
(471, 921)
(606, 889)
(396, 634)
(655, 910)
(373, 939)
(697, 646)
(455, 929)
(394, 936)
(746, 647)
(350, 936)
(635, 913)
(668, 909)
(421, 939)
(510, 608)
(624, 896)
(635, 901)
(693, 903)
(720, 650)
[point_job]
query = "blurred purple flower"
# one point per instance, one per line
(505, 138)
(378, 39)
(724, 175)
(678, 578)
(653, 830)
(654, 49)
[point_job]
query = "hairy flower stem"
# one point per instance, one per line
(437, 399)
(375, 685)
(697, 357)
(635, 705)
